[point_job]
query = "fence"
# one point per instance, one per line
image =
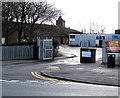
(43, 51)
(16, 52)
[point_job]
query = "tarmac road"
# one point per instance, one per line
(18, 81)
(20, 69)
(30, 88)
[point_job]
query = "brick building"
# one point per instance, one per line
(58, 32)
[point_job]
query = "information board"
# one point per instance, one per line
(113, 46)
(86, 53)
(115, 36)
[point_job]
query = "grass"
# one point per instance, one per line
(58, 54)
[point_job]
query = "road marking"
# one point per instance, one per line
(44, 78)
(3, 80)
(9, 80)
(15, 81)
(35, 74)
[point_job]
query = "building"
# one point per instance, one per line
(58, 32)
(60, 22)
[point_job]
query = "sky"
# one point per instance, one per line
(78, 14)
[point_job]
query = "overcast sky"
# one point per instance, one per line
(78, 14)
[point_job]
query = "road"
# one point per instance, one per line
(34, 88)
(18, 80)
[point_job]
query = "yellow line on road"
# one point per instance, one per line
(35, 74)
(45, 77)
(41, 77)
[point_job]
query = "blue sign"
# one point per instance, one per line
(115, 36)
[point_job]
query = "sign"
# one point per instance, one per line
(115, 36)
(113, 46)
(86, 54)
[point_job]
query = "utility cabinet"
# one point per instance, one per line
(87, 55)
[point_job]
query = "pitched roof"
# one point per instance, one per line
(54, 31)
(45, 30)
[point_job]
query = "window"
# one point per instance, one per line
(103, 37)
(72, 36)
(100, 37)
(97, 37)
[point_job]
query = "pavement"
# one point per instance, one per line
(14, 62)
(92, 73)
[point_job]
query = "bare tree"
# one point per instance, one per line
(102, 29)
(40, 12)
(96, 29)
(7, 19)
(28, 16)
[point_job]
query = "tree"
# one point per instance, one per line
(27, 14)
(40, 12)
(102, 29)
(7, 19)
(96, 29)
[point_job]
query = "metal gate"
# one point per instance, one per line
(45, 49)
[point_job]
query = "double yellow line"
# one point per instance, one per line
(35, 74)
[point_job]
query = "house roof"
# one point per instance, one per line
(54, 31)
(45, 30)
